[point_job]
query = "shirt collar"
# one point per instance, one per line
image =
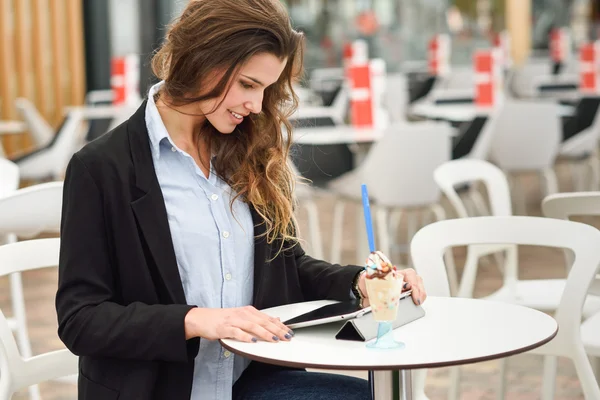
(156, 128)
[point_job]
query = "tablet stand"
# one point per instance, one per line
(365, 328)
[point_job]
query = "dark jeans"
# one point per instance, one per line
(299, 385)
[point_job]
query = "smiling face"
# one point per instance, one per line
(245, 95)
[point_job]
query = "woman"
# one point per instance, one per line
(178, 225)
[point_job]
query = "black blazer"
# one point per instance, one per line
(120, 301)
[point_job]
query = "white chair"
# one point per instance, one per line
(18, 371)
(581, 150)
(542, 294)
(26, 213)
(528, 140)
(565, 206)
(9, 177)
(398, 171)
(304, 195)
(336, 111)
(51, 161)
(41, 131)
(430, 243)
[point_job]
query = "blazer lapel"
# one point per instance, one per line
(149, 209)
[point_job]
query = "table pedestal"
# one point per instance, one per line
(382, 385)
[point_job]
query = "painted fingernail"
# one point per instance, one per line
(254, 340)
(275, 338)
(287, 336)
(291, 332)
(419, 301)
(405, 285)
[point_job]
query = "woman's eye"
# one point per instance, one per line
(246, 85)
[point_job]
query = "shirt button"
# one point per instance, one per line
(225, 234)
(228, 277)
(173, 149)
(214, 197)
(227, 354)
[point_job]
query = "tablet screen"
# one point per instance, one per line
(328, 311)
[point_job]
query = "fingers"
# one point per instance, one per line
(415, 283)
(263, 326)
(240, 335)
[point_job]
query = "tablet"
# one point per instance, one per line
(331, 313)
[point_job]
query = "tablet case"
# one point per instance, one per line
(365, 328)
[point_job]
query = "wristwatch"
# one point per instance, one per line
(355, 290)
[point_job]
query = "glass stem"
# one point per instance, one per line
(385, 333)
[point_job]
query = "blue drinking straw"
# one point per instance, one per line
(367, 212)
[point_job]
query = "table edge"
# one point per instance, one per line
(391, 367)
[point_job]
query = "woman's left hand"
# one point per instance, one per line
(412, 281)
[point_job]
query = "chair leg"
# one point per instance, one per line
(336, 235)
(519, 200)
(549, 377)
(503, 364)
(411, 227)
(440, 215)
(383, 233)
(577, 176)
(395, 219)
(314, 228)
(482, 209)
(551, 185)
(18, 303)
(585, 373)
(21, 332)
(594, 166)
(467, 283)
(479, 202)
(595, 363)
(418, 385)
(454, 386)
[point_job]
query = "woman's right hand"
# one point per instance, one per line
(245, 324)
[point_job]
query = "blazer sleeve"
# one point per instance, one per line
(322, 280)
(90, 321)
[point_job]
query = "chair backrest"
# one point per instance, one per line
(581, 132)
(9, 177)
(29, 211)
(18, 373)
(567, 205)
(399, 167)
(53, 159)
(459, 172)
(529, 135)
(39, 128)
(483, 144)
(430, 243)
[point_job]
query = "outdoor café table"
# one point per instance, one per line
(454, 331)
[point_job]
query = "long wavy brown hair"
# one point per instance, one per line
(221, 35)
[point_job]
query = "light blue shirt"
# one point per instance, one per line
(213, 246)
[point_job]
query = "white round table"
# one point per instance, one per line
(454, 331)
(466, 111)
(344, 134)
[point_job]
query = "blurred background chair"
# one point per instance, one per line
(431, 241)
(518, 147)
(19, 371)
(400, 181)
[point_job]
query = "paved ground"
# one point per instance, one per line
(478, 381)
